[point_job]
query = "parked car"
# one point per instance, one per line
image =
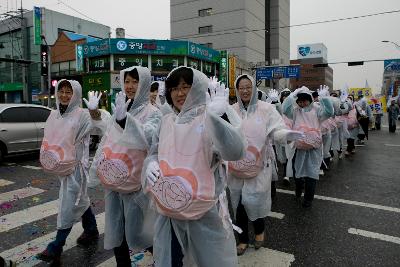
(21, 127)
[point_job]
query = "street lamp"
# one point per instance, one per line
(395, 44)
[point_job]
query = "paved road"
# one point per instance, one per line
(354, 220)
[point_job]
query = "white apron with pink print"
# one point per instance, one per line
(308, 123)
(254, 128)
(351, 118)
(119, 167)
(58, 151)
(186, 187)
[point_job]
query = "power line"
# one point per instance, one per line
(223, 32)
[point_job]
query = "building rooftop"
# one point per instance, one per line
(75, 37)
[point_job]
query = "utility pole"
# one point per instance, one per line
(25, 91)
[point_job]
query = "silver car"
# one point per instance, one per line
(21, 127)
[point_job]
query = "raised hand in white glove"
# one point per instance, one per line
(343, 96)
(294, 135)
(213, 83)
(120, 108)
(94, 98)
(153, 172)
(218, 100)
(323, 91)
(273, 95)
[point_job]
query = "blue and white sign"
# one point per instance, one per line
(392, 66)
(122, 45)
(312, 51)
(268, 73)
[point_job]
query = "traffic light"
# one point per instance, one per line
(44, 59)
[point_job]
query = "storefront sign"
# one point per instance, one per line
(165, 63)
(125, 61)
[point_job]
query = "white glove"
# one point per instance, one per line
(120, 106)
(323, 91)
(218, 100)
(343, 96)
(273, 95)
(294, 135)
(295, 92)
(213, 83)
(161, 88)
(153, 172)
(94, 98)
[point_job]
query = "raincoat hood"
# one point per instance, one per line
(306, 91)
(142, 96)
(76, 99)
(197, 94)
(254, 95)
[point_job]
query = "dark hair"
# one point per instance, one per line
(241, 78)
(133, 73)
(314, 94)
(174, 78)
(284, 94)
(64, 83)
(304, 96)
(259, 95)
(154, 87)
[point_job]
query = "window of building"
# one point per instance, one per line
(205, 12)
(205, 29)
(209, 45)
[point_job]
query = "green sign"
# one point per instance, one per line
(202, 52)
(96, 82)
(165, 63)
(223, 67)
(208, 68)
(125, 61)
(99, 63)
(9, 87)
(37, 25)
(152, 47)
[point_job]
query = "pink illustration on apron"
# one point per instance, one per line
(308, 123)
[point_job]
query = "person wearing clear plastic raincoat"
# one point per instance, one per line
(183, 175)
(65, 152)
(160, 101)
(118, 166)
(352, 126)
(307, 118)
(249, 179)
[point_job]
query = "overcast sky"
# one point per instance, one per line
(351, 40)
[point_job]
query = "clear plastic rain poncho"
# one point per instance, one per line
(65, 150)
(308, 160)
(126, 207)
(160, 100)
(250, 178)
(193, 203)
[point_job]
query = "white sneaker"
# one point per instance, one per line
(331, 159)
(321, 172)
(340, 155)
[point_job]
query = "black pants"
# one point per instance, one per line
(122, 256)
(243, 222)
(392, 128)
(309, 191)
(350, 145)
(176, 250)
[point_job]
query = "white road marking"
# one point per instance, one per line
(19, 193)
(350, 202)
(387, 238)
(32, 167)
(265, 257)
(25, 254)
(392, 145)
(359, 145)
(5, 182)
(276, 215)
(260, 258)
(32, 214)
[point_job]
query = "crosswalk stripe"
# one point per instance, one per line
(35, 213)
(32, 167)
(387, 238)
(19, 193)
(392, 145)
(349, 202)
(24, 254)
(5, 182)
(260, 258)
(276, 215)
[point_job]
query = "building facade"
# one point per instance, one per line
(312, 77)
(237, 26)
(17, 42)
(103, 60)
